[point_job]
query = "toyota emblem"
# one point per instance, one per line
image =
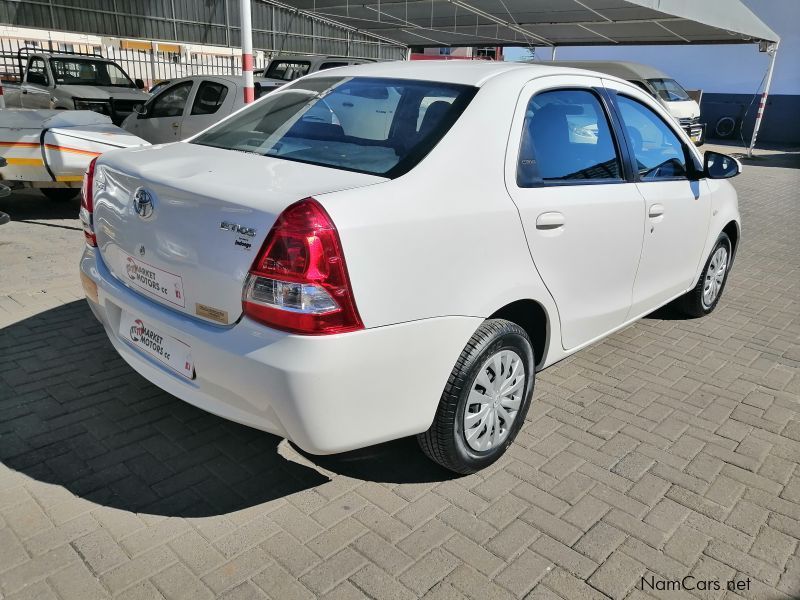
(143, 203)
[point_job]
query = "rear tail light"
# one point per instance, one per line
(299, 281)
(87, 204)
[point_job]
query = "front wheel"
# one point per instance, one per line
(485, 401)
(703, 298)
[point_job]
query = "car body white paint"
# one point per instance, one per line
(430, 255)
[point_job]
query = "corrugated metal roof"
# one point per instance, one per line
(214, 22)
(546, 22)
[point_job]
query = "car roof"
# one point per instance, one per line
(94, 57)
(318, 57)
(464, 72)
(618, 68)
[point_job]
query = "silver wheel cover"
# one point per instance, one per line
(494, 400)
(715, 276)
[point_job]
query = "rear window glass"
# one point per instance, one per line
(370, 125)
(287, 70)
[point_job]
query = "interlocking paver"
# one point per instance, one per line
(672, 447)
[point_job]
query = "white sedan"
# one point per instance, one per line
(395, 249)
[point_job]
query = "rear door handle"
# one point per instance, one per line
(176, 125)
(656, 210)
(550, 220)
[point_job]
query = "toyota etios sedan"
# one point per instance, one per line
(384, 250)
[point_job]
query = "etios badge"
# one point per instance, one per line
(143, 203)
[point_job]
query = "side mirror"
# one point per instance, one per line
(720, 166)
(140, 109)
(139, 83)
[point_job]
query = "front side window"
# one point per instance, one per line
(658, 152)
(669, 90)
(37, 72)
(171, 102)
(566, 137)
(209, 97)
(370, 125)
(78, 71)
(288, 70)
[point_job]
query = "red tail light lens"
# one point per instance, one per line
(299, 281)
(87, 205)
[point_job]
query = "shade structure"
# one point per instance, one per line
(545, 22)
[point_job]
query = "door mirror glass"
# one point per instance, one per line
(720, 166)
(140, 109)
(139, 83)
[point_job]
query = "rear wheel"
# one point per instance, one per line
(485, 401)
(60, 194)
(703, 299)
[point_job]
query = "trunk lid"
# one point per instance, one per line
(203, 215)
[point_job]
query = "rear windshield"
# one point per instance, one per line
(287, 70)
(370, 125)
(669, 90)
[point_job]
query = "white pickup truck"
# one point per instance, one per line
(50, 149)
(71, 81)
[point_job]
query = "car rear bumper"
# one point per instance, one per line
(327, 394)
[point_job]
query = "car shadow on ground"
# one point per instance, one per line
(74, 414)
(30, 205)
(398, 461)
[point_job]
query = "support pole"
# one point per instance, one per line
(762, 105)
(247, 50)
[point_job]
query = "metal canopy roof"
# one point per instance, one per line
(545, 22)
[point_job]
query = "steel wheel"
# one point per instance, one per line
(715, 276)
(494, 400)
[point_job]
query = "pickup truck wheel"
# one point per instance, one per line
(485, 401)
(703, 299)
(61, 194)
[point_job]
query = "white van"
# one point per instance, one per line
(661, 86)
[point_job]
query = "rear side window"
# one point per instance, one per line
(658, 152)
(332, 65)
(209, 97)
(566, 138)
(370, 125)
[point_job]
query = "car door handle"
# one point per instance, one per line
(176, 125)
(550, 220)
(656, 210)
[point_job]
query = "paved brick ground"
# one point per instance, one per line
(671, 448)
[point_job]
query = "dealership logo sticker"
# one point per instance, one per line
(162, 284)
(169, 351)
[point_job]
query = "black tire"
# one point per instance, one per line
(445, 441)
(692, 303)
(60, 194)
